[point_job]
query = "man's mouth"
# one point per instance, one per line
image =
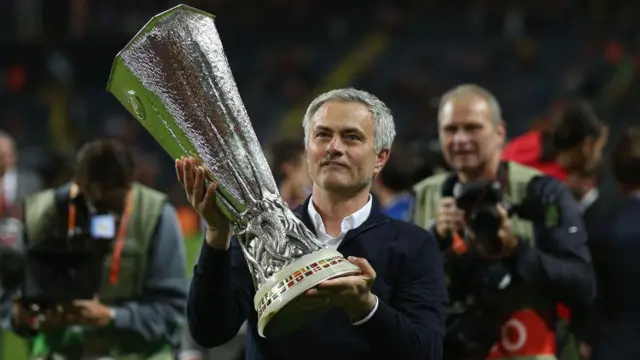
(333, 163)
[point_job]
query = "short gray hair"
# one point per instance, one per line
(473, 89)
(384, 129)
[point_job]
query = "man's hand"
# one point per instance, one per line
(191, 177)
(448, 218)
(83, 312)
(349, 293)
(92, 313)
(584, 351)
(508, 240)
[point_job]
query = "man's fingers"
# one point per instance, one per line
(180, 171)
(339, 283)
(502, 211)
(364, 266)
(81, 303)
(448, 202)
(209, 195)
(198, 186)
(189, 178)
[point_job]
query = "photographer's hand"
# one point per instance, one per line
(449, 218)
(49, 320)
(92, 312)
(508, 238)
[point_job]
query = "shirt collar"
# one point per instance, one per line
(348, 223)
(588, 199)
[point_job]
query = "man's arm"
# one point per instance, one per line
(158, 314)
(411, 325)
(561, 261)
(220, 296)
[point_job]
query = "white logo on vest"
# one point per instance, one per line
(517, 342)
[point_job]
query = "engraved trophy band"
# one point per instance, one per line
(174, 78)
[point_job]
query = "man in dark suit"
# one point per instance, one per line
(614, 325)
(394, 309)
(579, 138)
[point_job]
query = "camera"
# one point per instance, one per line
(66, 267)
(479, 200)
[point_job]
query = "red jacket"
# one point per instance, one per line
(526, 149)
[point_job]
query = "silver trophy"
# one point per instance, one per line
(174, 78)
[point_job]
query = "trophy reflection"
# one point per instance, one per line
(174, 78)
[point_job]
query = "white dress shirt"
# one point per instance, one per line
(348, 223)
(9, 186)
(588, 199)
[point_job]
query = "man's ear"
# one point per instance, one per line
(381, 161)
(501, 130)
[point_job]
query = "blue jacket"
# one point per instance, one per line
(410, 285)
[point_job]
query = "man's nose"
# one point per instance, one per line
(461, 137)
(335, 146)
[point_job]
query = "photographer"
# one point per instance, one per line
(137, 302)
(513, 238)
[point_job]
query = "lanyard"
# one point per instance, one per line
(118, 246)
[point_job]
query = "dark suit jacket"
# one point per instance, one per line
(615, 244)
(604, 204)
(410, 285)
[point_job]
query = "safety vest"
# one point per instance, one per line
(527, 332)
(42, 217)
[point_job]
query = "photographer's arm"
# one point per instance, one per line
(561, 258)
(158, 314)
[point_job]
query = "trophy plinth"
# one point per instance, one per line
(174, 78)
(275, 299)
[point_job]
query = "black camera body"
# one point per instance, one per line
(479, 200)
(61, 269)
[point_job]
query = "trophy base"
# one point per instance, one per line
(278, 313)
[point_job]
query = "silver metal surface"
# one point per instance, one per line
(175, 79)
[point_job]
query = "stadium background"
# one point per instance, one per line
(56, 56)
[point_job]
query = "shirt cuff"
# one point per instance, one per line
(368, 317)
(190, 355)
(121, 318)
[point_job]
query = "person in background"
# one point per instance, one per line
(138, 310)
(535, 148)
(506, 274)
(392, 188)
(613, 327)
(15, 183)
(290, 171)
(580, 137)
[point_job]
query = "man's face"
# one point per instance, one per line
(105, 200)
(468, 136)
(584, 158)
(340, 152)
(7, 155)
